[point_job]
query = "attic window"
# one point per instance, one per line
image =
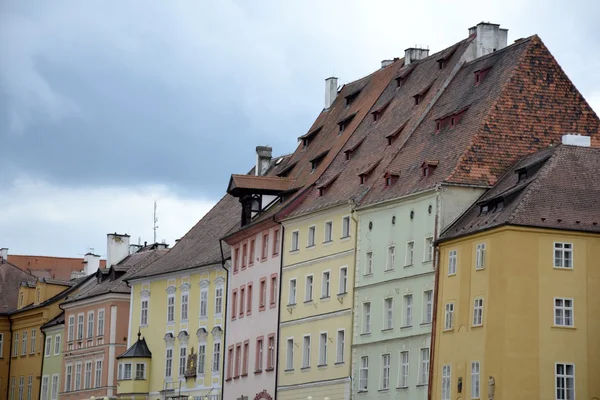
(428, 167)
(364, 175)
(441, 63)
(351, 97)
(349, 152)
(417, 99)
(485, 208)
(377, 113)
(343, 124)
(391, 137)
(480, 75)
(522, 175)
(314, 163)
(399, 81)
(307, 138)
(323, 188)
(390, 178)
(450, 120)
(438, 126)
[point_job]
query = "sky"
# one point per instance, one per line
(108, 106)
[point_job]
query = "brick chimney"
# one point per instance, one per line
(330, 91)
(263, 160)
(117, 248)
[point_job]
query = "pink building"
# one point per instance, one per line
(253, 290)
(97, 319)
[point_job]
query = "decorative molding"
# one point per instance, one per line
(202, 334)
(185, 287)
(263, 395)
(204, 283)
(145, 294)
(217, 332)
(219, 280)
(171, 289)
(169, 339)
(183, 337)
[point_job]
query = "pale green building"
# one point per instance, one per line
(53, 332)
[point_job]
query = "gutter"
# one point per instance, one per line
(276, 360)
(225, 319)
(436, 267)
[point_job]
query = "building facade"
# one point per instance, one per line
(316, 305)
(53, 332)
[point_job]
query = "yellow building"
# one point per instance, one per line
(518, 306)
(38, 303)
(316, 305)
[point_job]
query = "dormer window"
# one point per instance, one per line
(480, 75)
(343, 124)
(364, 175)
(327, 184)
(428, 167)
(438, 125)
(349, 152)
(485, 208)
(393, 136)
(390, 178)
(314, 163)
(308, 138)
(417, 99)
(450, 120)
(351, 97)
(399, 81)
(441, 63)
(401, 78)
(377, 113)
(522, 175)
(421, 95)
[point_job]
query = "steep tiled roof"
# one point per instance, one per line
(259, 183)
(11, 277)
(58, 320)
(561, 191)
(138, 350)
(50, 267)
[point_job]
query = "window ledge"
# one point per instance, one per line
(454, 274)
(563, 268)
(272, 369)
(291, 305)
(342, 294)
(387, 330)
(321, 365)
(228, 379)
(406, 327)
(325, 297)
(363, 391)
(305, 368)
(480, 268)
(402, 388)
(383, 390)
(448, 330)
(236, 377)
(295, 251)
(476, 326)
(422, 384)
(244, 375)
(365, 334)
(345, 238)
(328, 241)
(425, 323)
(308, 301)
(389, 270)
(263, 259)
(427, 261)
(310, 246)
(563, 327)
(369, 274)
(408, 265)
(339, 363)
(258, 371)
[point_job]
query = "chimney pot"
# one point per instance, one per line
(385, 63)
(4, 253)
(413, 54)
(263, 160)
(575, 139)
(331, 84)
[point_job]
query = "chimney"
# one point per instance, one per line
(4, 253)
(489, 38)
(414, 54)
(575, 139)
(330, 91)
(385, 63)
(91, 263)
(117, 246)
(263, 160)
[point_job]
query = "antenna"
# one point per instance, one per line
(155, 226)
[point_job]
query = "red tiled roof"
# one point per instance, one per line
(11, 277)
(55, 267)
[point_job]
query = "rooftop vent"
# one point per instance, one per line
(575, 139)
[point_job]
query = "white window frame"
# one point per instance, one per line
(90, 323)
(100, 327)
(306, 345)
(563, 309)
(80, 326)
(295, 241)
(55, 384)
(24, 345)
(446, 382)
(403, 369)
(77, 379)
(1, 345)
(328, 232)
(182, 349)
(292, 291)
(369, 263)
(410, 253)
(309, 294)
(424, 372)
(561, 247)
(219, 300)
(385, 371)
(143, 370)
(68, 377)
(561, 392)
(98, 373)
(45, 387)
(57, 344)
(204, 303)
(366, 322)
(87, 373)
(390, 264)
(32, 341)
(144, 311)
(312, 235)
(48, 349)
(363, 374)
(170, 309)
(343, 281)
(340, 346)
(408, 303)
(345, 227)
(323, 338)
(427, 306)
(326, 284)
(201, 360)
(185, 306)
(452, 262)
(289, 354)
(71, 328)
(216, 359)
(428, 249)
(475, 380)
(480, 255)
(388, 313)
(449, 316)
(15, 352)
(169, 362)
(478, 303)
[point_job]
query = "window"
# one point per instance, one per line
(325, 285)
(308, 293)
(169, 363)
(563, 312)
(428, 308)
(366, 318)
(21, 387)
(276, 242)
(265, 246)
(48, 346)
(274, 292)
(29, 387)
(170, 309)
(404, 368)
(88, 375)
(127, 371)
(100, 322)
(262, 298)
(78, 376)
(452, 262)
(391, 258)
(388, 313)
(369, 263)
(385, 371)
(428, 256)
(33, 339)
(1, 344)
(230, 362)
(563, 255)
(219, 301)
(57, 341)
(245, 356)
(306, 352)
(238, 360)
(328, 231)
(410, 250)
(341, 343)
(249, 301)
(182, 360)
(201, 358)
(242, 301)
(311, 236)
(271, 354)
(15, 344)
(244, 255)
(478, 312)
(343, 286)
(446, 382)
(234, 304)
(203, 303)
(252, 247)
(236, 264)
(565, 381)
(54, 387)
(475, 386)
(184, 306)
(345, 227)
(289, 363)
(45, 383)
(424, 375)
(363, 374)
(24, 346)
(68, 377)
(216, 357)
(140, 371)
(292, 293)
(448, 316)
(80, 327)
(98, 376)
(258, 365)
(295, 240)
(323, 349)
(90, 325)
(480, 256)
(408, 303)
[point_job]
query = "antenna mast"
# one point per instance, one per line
(155, 226)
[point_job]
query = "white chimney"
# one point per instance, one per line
(330, 91)
(385, 63)
(263, 160)
(490, 38)
(91, 263)
(575, 139)
(414, 54)
(4, 253)
(117, 246)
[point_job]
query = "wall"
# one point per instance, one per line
(52, 367)
(518, 343)
(5, 352)
(258, 322)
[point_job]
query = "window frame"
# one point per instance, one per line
(407, 310)
(478, 310)
(363, 374)
(563, 251)
(390, 263)
(366, 318)
(428, 252)
(170, 309)
(403, 374)
(326, 284)
(427, 307)
(480, 256)
(475, 380)
(564, 308)
(452, 262)
(369, 263)
(323, 348)
(292, 290)
(306, 348)
(289, 354)
(565, 377)
(424, 366)
(343, 280)
(328, 232)
(388, 313)
(48, 349)
(446, 382)
(409, 258)
(386, 361)
(100, 326)
(295, 241)
(144, 311)
(449, 308)
(308, 298)
(340, 352)
(311, 236)
(345, 227)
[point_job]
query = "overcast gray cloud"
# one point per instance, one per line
(106, 105)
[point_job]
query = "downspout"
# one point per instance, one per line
(279, 310)
(42, 369)
(10, 356)
(352, 204)
(226, 305)
(436, 259)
